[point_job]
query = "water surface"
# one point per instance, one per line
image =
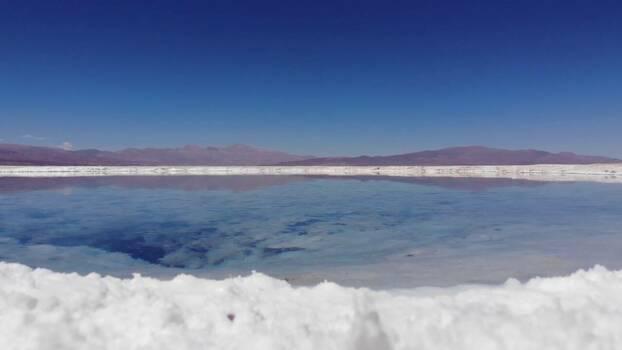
(378, 232)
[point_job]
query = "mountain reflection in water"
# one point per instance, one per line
(238, 183)
(355, 230)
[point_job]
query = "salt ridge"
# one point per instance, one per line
(543, 172)
(41, 309)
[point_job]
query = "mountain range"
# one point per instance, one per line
(469, 155)
(11, 154)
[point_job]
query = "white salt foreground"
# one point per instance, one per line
(40, 309)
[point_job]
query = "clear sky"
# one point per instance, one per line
(315, 77)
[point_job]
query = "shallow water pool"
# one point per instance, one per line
(376, 232)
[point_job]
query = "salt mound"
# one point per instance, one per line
(40, 309)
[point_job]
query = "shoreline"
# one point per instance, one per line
(542, 172)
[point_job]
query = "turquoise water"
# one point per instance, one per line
(357, 231)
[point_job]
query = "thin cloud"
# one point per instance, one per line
(33, 137)
(67, 146)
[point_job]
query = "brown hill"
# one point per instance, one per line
(188, 155)
(471, 155)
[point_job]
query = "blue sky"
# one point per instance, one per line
(314, 77)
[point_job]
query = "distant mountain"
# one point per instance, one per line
(246, 155)
(188, 155)
(470, 155)
(197, 155)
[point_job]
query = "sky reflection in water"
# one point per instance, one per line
(358, 231)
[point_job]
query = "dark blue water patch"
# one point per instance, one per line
(37, 214)
(322, 224)
(157, 244)
(300, 227)
(198, 250)
(24, 240)
(135, 247)
(302, 223)
(173, 224)
(268, 252)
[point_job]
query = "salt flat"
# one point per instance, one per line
(541, 172)
(42, 309)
